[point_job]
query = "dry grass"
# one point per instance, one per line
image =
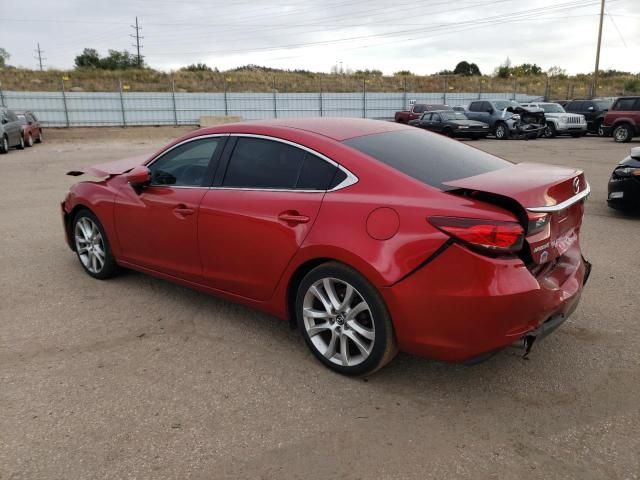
(258, 81)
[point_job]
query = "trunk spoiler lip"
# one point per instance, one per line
(562, 205)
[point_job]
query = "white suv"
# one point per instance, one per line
(560, 122)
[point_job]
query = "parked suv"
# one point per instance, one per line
(560, 122)
(623, 120)
(507, 118)
(10, 131)
(593, 111)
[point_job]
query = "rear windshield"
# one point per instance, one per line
(427, 157)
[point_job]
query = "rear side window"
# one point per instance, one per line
(419, 109)
(428, 158)
(573, 107)
(475, 107)
(260, 163)
(626, 104)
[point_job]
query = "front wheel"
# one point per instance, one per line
(4, 145)
(599, 129)
(623, 133)
(20, 145)
(502, 131)
(550, 130)
(344, 321)
(30, 141)
(92, 246)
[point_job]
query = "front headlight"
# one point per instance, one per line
(463, 126)
(627, 172)
(564, 118)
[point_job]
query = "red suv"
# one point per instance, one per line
(622, 121)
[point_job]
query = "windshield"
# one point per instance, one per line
(453, 116)
(502, 104)
(552, 108)
(431, 159)
(22, 119)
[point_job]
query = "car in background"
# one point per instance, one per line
(369, 235)
(624, 184)
(459, 108)
(10, 131)
(593, 111)
(451, 124)
(416, 111)
(508, 119)
(31, 128)
(559, 122)
(622, 121)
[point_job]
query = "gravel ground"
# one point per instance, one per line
(140, 378)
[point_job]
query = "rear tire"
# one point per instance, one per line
(20, 145)
(599, 129)
(344, 320)
(40, 138)
(623, 133)
(92, 246)
(30, 141)
(4, 145)
(502, 131)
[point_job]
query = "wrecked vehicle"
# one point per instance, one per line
(508, 119)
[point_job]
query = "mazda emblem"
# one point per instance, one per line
(576, 184)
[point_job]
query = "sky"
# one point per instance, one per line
(423, 36)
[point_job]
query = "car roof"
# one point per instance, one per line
(338, 129)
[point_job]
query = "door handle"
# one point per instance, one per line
(291, 216)
(184, 210)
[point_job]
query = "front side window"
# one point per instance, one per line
(418, 109)
(185, 165)
(267, 164)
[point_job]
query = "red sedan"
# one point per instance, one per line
(31, 128)
(370, 236)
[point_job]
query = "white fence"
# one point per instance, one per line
(71, 109)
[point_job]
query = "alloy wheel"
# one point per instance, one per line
(89, 245)
(620, 134)
(339, 322)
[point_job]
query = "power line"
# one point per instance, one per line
(594, 89)
(137, 45)
(40, 58)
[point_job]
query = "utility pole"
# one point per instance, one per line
(137, 45)
(40, 58)
(594, 88)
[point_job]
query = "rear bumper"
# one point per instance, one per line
(464, 305)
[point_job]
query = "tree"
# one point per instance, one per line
(197, 67)
(117, 60)
(557, 72)
(403, 73)
(4, 56)
(526, 70)
(466, 69)
(367, 72)
(89, 58)
(445, 72)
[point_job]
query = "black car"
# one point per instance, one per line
(593, 111)
(451, 124)
(624, 185)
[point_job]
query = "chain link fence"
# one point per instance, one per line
(174, 106)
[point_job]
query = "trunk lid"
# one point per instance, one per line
(548, 201)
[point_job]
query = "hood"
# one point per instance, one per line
(112, 168)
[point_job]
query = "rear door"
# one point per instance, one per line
(265, 199)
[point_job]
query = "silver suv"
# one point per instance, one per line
(10, 131)
(559, 122)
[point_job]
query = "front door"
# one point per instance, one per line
(254, 220)
(157, 226)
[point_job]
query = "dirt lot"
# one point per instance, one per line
(139, 378)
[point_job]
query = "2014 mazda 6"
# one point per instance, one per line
(371, 236)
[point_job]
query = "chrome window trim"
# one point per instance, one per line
(561, 206)
(347, 182)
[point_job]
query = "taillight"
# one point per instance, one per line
(492, 235)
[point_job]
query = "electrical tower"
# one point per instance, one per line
(137, 37)
(40, 58)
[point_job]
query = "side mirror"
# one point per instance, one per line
(591, 109)
(139, 176)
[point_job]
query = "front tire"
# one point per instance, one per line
(344, 320)
(92, 246)
(40, 138)
(502, 131)
(20, 145)
(4, 145)
(623, 133)
(30, 141)
(550, 131)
